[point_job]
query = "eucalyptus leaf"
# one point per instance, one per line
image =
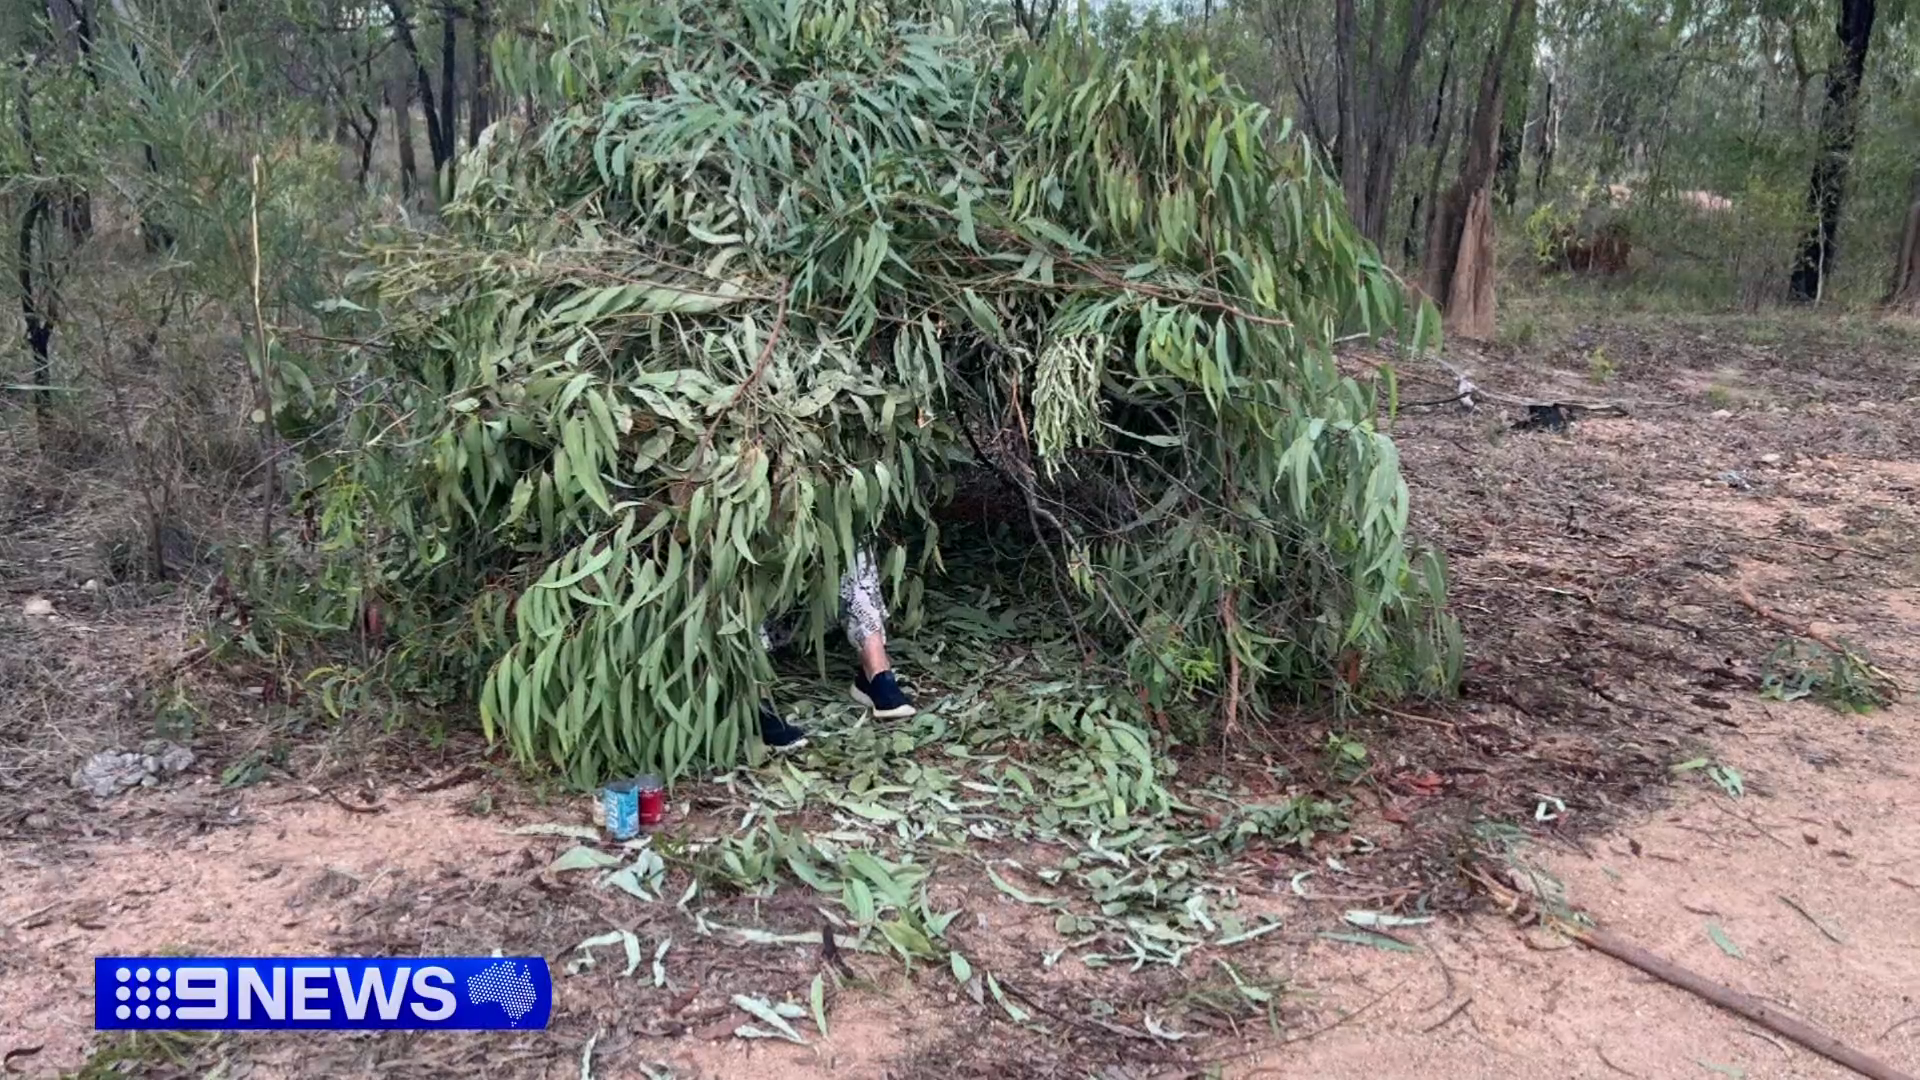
(582, 858)
(817, 996)
(1720, 938)
(761, 1010)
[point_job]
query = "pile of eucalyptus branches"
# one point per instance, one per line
(775, 275)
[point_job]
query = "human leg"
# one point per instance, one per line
(776, 731)
(863, 613)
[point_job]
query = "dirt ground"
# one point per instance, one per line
(1611, 579)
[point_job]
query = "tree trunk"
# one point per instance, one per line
(1469, 305)
(1839, 124)
(367, 131)
(1459, 270)
(1388, 139)
(1439, 141)
(449, 39)
(1371, 104)
(76, 22)
(1035, 16)
(1431, 199)
(1549, 137)
(30, 267)
(1513, 122)
(34, 309)
(1286, 27)
(1906, 264)
(480, 109)
(438, 143)
(1346, 158)
(400, 97)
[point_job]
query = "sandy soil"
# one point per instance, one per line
(1839, 838)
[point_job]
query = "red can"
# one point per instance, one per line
(653, 802)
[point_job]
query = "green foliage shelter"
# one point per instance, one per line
(775, 273)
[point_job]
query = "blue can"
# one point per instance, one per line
(622, 802)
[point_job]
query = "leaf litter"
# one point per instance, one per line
(864, 820)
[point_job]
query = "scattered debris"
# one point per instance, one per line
(1555, 416)
(110, 772)
(1839, 677)
(1746, 597)
(1728, 777)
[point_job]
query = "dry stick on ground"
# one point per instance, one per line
(1430, 720)
(1611, 1065)
(1734, 1001)
(1898, 1024)
(356, 808)
(1443, 1021)
(1517, 904)
(458, 776)
(186, 660)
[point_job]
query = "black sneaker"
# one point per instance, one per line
(779, 735)
(882, 695)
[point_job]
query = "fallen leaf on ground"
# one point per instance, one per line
(765, 1013)
(1377, 941)
(1377, 919)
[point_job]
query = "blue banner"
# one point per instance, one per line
(321, 993)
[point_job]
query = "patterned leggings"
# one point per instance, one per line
(863, 611)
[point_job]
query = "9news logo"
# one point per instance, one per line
(438, 993)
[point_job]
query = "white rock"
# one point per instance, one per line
(92, 585)
(1722, 414)
(38, 605)
(1769, 459)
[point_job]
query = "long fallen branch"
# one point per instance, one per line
(1522, 906)
(1736, 1002)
